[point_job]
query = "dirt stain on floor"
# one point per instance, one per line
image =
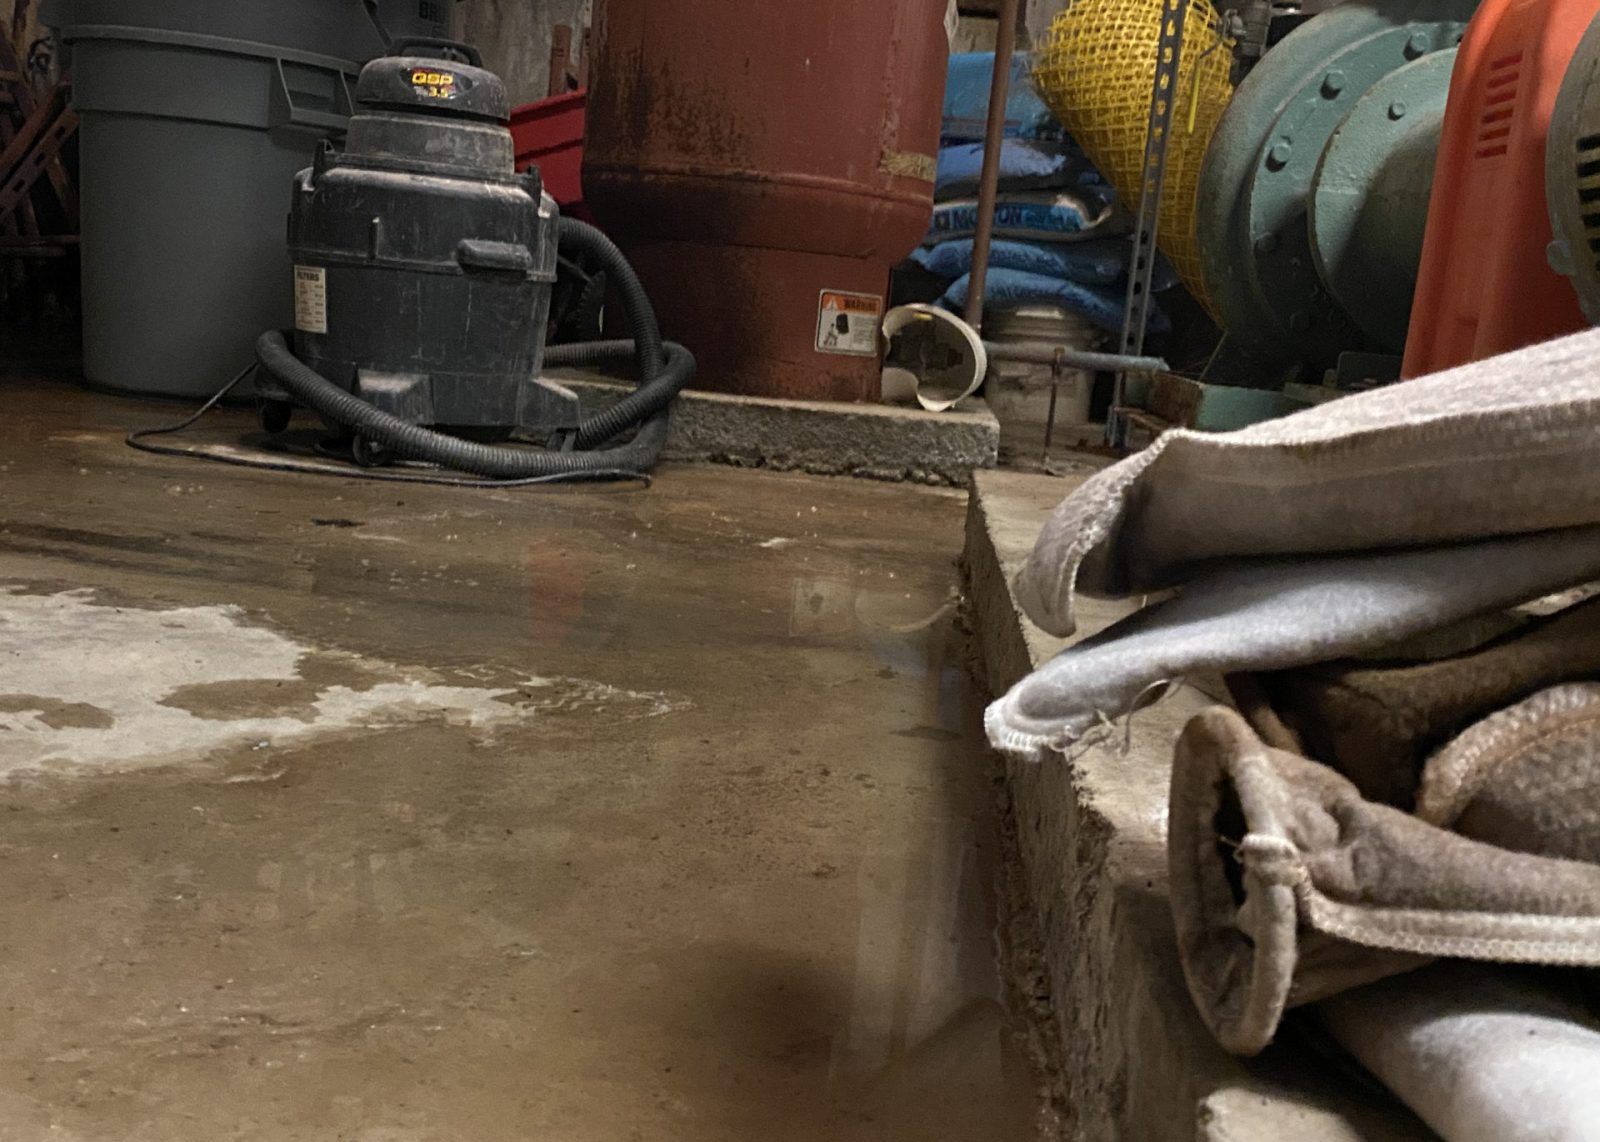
(690, 881)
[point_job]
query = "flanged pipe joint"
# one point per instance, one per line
(1314, 198)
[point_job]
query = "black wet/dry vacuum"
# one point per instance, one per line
(424, 266)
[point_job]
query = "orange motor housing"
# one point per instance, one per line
(1486, 286)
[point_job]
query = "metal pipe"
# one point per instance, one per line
(1050, 425)
(1152, 183)
(993, 140)
(1062, 357)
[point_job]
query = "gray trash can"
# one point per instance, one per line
(194, 117)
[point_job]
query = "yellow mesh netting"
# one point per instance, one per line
(1096, 71)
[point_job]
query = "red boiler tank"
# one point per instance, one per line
(764, 163)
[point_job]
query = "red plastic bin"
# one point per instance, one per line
(549, 133)
(1486, 286)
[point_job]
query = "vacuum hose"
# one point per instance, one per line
(664, 369)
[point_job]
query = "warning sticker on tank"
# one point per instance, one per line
(311, 299)
(847, 323)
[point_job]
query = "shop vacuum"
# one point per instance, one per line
(424, 267)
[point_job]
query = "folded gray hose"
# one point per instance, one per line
(1482, 1054)
(413, 442)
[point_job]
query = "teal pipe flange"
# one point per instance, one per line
(1369, 207)
(1256, 191)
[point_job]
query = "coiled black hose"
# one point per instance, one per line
(413, 442)
(647, 348)
(664, 370)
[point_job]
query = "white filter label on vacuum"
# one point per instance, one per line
(311, 299)
(847, 323)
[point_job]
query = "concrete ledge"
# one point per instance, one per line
(1138, 1064)
(880, 442)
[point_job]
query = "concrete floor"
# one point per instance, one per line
(336, 810)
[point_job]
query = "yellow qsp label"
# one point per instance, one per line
(434, 84)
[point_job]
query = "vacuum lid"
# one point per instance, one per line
(449, 80)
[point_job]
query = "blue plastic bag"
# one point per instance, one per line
(1024, 165)
(1099, 261)
(966, 101)
(1102, 306)
(1044, 216)
(1094, 261)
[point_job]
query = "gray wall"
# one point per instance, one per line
(977, 31)
(514, 36)
(1040, 14)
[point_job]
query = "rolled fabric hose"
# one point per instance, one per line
(1288, 887)
(1379, 720)
(1278, 614)
(1497, 448)
(1482, 1054)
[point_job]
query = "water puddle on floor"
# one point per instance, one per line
(677, 836)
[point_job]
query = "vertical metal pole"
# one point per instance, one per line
(1050, 425)
(1141, 276)
(560, 60)
(994, 137)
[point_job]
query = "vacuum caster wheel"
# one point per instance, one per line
(369, 453)
(275, 415)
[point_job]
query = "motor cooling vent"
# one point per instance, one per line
(1573, 175)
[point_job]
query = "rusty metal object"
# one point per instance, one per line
(23, 100)
(569, 60)
(989, 183)
(764, 166)
(32, 149)
(560, 57)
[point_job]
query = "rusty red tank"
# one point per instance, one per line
(764, 163)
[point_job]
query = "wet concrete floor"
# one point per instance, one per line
(333, 810)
